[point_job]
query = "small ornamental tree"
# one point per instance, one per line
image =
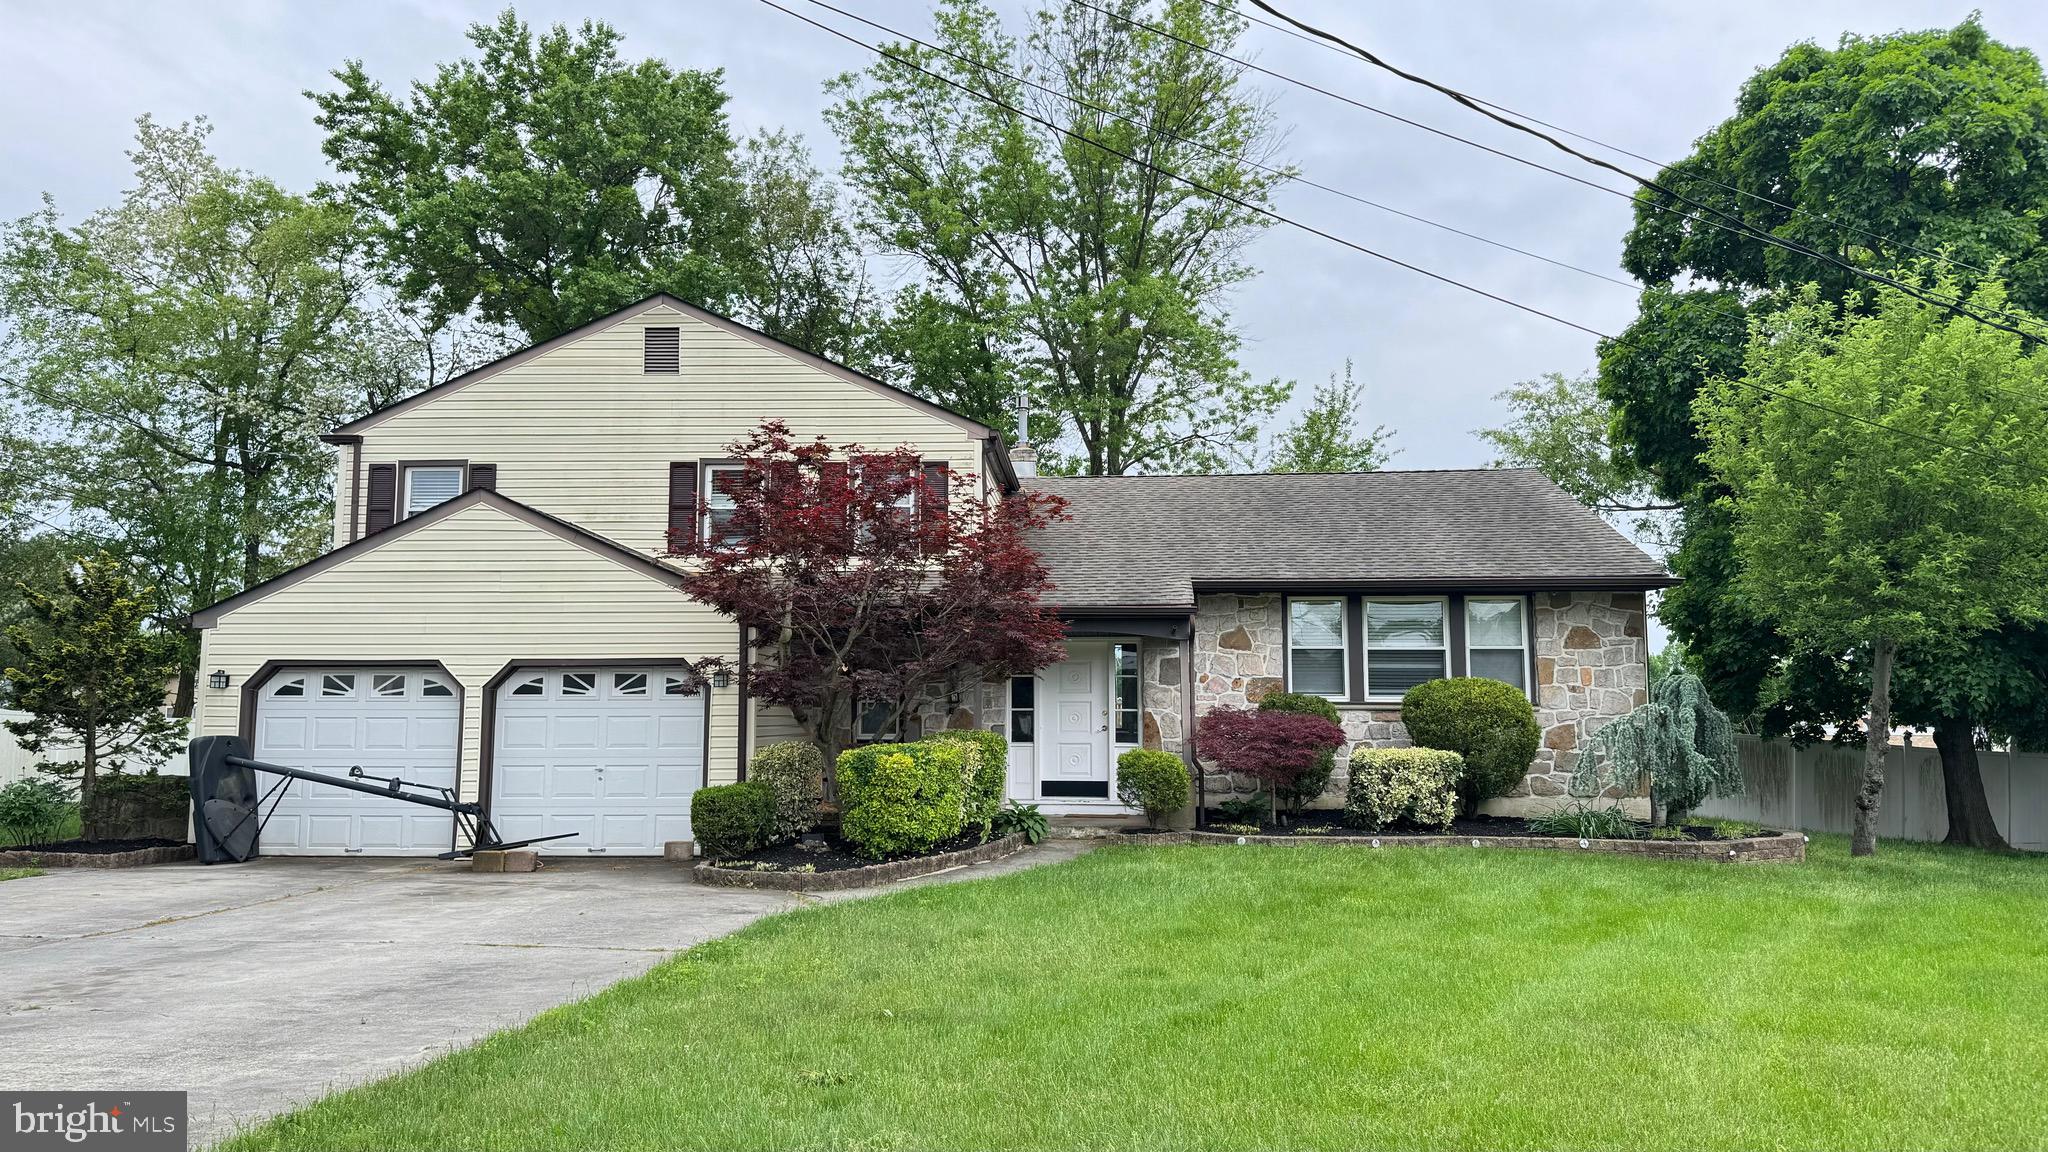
(91, 677)
(1679, 742)
(1274, 748)
(868, 577)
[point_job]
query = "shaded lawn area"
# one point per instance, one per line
(1299, 997)
(19, 873)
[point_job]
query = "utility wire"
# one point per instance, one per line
(1207, 190)
(1810, 214)
(1222, 153)
(1736, 224)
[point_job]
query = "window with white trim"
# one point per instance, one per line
(878, 722)
(1023, 708)
(1404, 645)
(1315, 647)
(344, 685)
(719, 505)
(1125, 707)
(429, 484)
(387, 684)
(1497, 639)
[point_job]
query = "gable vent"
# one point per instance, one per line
(662, 350)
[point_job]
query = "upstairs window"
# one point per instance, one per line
(720, 482)
(661, 351)
(1404, 646)
(429, 484)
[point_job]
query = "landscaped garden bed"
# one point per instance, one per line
(831, 864)
(97, 853)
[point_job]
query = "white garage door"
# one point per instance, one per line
(611, 754)
(393, 722)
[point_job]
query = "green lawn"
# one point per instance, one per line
(1195, 997)
(19, 873)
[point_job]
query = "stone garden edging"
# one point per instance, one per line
(162, 854)
(1748, 850)
(862, 877)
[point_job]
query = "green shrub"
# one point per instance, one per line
(1310, 784)
(35, 810)
(1022, 818)
(1734, 829)
(900, 799)
(1588, 822)
(1488, 722)
(1245, 809)
(794, 770)
(1419, 785)
(731, 820)
(1154, 781)
(985, 775)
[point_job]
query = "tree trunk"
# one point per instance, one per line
(88, 780)
(1969, 813)
(1876, 736)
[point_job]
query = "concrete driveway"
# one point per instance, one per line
(259, 986)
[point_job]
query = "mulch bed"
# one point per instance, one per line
(836, 856)
(95, 847)
(1332, 824)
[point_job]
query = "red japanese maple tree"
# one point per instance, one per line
(868, 576)
(1274, 748)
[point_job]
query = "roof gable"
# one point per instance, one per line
(662, 300)
(425, 522)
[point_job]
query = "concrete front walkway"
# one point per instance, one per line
(259, 986)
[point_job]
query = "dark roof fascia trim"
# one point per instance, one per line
(995, 456)
(723, 323)
(1642, 583)
(339, 438)
(210, 616)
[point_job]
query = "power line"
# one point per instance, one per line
(1866, 233)
(1226, 154)
(1353, 245)
(1738, 225)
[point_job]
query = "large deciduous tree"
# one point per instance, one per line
(1330, 435)
(864, 576)
(1854, 539)
(1047, 262)
(173, 360)
(91, 674)
(545, 181)
(1873, 151)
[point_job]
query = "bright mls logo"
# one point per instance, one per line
(119, 1121)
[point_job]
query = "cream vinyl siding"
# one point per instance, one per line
(344, 493)
(772, 724)
(580, 432)
(475, 592)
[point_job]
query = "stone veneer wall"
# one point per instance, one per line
(1592, 664)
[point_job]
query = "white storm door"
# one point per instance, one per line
(612, 754)
(389, 721)
(1073, 741)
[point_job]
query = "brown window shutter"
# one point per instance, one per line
(484, 476)
(682, 504)
(937, 488)
(380, 506)
(661, 351)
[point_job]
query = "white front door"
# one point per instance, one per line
(611, 754)
(388, 721)
(1073, 743)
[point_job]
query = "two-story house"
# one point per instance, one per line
(496, 614)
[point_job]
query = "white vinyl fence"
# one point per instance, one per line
(17, 762)
(1814, 789)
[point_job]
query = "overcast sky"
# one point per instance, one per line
(1647, 76)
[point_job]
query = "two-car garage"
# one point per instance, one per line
(609, 753)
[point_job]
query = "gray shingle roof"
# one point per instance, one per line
(1152, 541)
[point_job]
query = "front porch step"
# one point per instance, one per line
(1089, 827)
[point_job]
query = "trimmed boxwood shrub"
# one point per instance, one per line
(1488, 722)
(1393, 784)
(731, 820)
(792, 770)
(984, 775)
(1310, 784)
(901, 799)
(1154, 781)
